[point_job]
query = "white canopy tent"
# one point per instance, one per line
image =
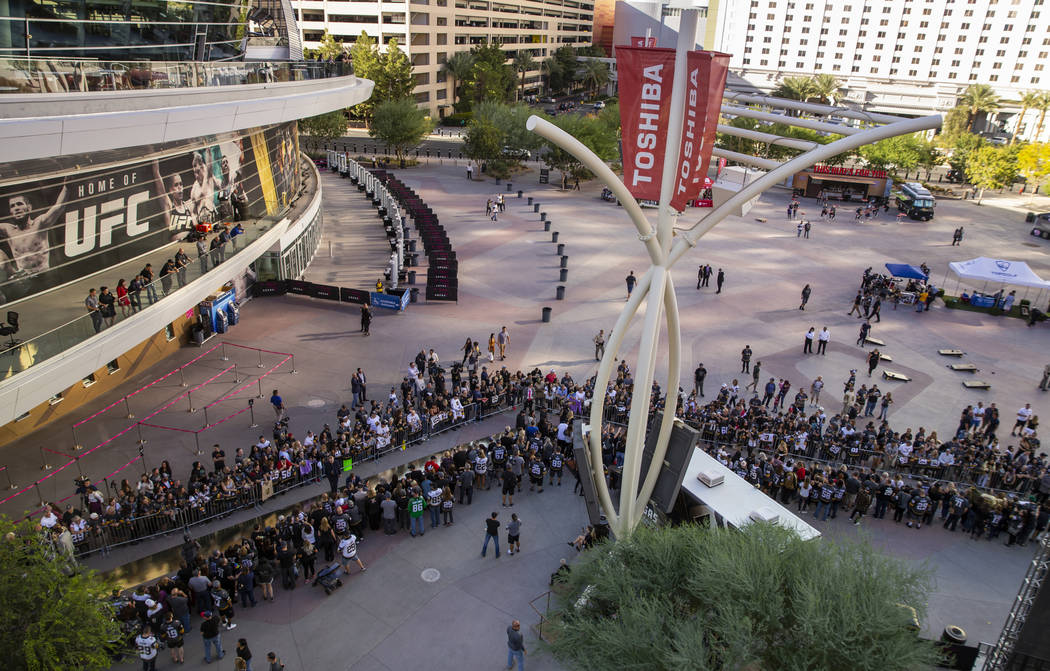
(984, 269)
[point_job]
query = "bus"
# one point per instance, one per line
(916, 201)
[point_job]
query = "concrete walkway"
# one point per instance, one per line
(354, 251)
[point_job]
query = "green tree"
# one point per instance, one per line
(458, 67)
(1028, 101)
(599, 134)
(330, 48)
(979, 98)
(551, 72)
(960, 150)
(901, 152)
(1042, 106)
(825, 88)
(991, 167)
(1033, 161)
(510, 120)
(568, 66)
(324, 126)
(55, 617)
(594, 74)
(394, 79)
(400, 124)
(956, 122)
(364, 55)
(524, 62)
(795, 88)
(929, 155)
(483, 140)
(759, 598)
(491, 78)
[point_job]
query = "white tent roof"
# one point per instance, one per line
(996, 270)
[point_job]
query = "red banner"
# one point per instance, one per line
(705, 81)
(645, 76)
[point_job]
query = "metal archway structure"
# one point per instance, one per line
(665, 249)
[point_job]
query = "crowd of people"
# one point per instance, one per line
(130, 297)
(428, 400)
(305, 545)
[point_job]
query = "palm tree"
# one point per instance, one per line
(795, 88)
(458, 67)
(825, 88)
(550, 68)
(1028, 101)
(524, 62)
(979, 98)
(1043, 105)
(595, 74)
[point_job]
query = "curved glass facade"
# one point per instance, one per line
(124, 30)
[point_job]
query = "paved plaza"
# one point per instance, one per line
(390, 617)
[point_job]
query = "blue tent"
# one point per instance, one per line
(906, 271)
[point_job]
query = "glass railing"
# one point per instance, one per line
(46, 75)
(28, 353)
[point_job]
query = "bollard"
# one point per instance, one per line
(546, 226)
(530, 200)
(561, 292)
(536, 207)
(564, 277)
(554, 236)
(543, 216)
(519, 194)
(546, 315)
(564, 261)
(561, 248)
(411, 277)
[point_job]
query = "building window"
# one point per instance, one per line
(56, 399)
(1014, 80)
(24, 415)
(169, 332)
(112, 367)
(992, 78)
(88, 381)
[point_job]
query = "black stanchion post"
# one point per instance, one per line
(260, 359)
(138, 427)
(44, 466)
(251, 411)
(7, 472)
(182, 374)
(127, 406)
(189, 397)
(76, 443)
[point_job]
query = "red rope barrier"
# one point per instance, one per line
(159, 379)
(168, 428)
(257, 349)
(214, 424)
(248, 384)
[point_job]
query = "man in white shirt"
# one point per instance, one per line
(147, 646)
(822, 340)
(1023, 415)
(348, 551)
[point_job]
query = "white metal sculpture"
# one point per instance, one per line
(665, 250)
